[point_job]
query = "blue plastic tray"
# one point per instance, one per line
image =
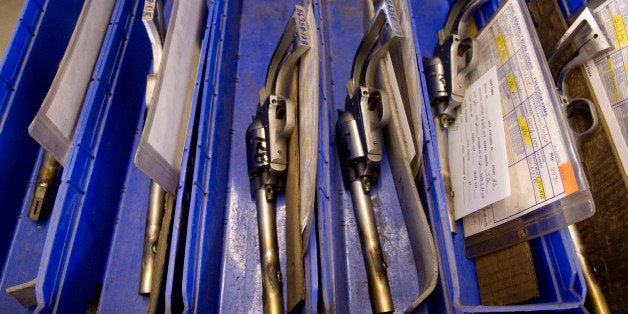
(94, 237)
(173, 287)
(42, 250)
(26, 71)
(343, 276)
(121, 277)
(560, 280)
(93, 240)
(221, 264)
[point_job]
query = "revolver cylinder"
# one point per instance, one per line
(256, 149)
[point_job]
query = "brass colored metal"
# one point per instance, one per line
(154, 218)
(43, 189)
(595, 296)
(379, 289)
(269, 250)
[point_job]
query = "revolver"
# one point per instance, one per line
(267, 151)
(359, 143)
(590, 42)
(586, 35)
(454, 57)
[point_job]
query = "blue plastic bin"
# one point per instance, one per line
(560, 279)
(343, 275)
(26, 71)
(179, 234)
(87, 254)
(221, 264)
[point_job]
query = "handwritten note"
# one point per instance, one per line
(477, 148)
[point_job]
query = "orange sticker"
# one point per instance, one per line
(569, 179)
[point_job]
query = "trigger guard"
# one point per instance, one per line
(290, 119)
(385, 118)
(590, 106)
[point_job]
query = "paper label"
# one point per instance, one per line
(539, 168)
(608, 74)
(477, 146)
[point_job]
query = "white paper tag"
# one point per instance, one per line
(477, 148)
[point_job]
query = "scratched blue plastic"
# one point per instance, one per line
(27, 68)
(221, 263)
(571, 6)
(69, 262)
(173, 287)
(104, 195)
(560, 280)
(81, 226)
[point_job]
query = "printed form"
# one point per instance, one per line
(539, 168)
(609, 74)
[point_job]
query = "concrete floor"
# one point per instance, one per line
(9, 12)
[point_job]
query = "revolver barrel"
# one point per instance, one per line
(154, 217)
(379, 289)
(269, 250)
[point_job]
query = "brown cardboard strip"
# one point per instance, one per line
(507, 276)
